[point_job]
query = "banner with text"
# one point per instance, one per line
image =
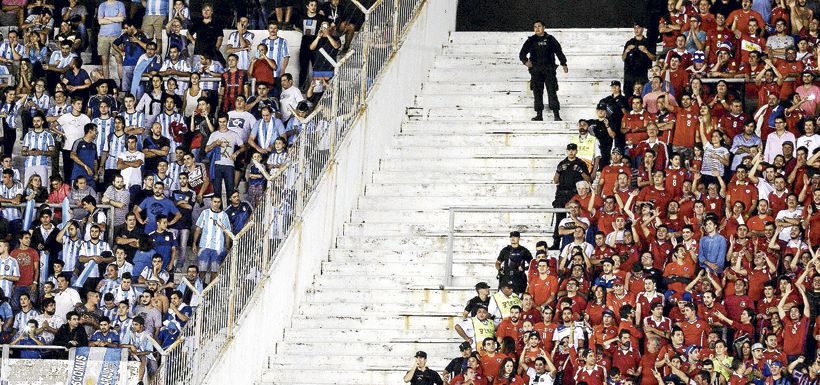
(98, 366)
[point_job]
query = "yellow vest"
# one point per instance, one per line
(586, 147)
(504, 303)
(482, 330)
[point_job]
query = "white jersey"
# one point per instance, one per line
(244, 56)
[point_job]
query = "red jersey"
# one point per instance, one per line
(646, 301)
(678, 78)
(694, 333)
(740, 19)
(674, 180)
(660, 152)
(795, 334)
(749, 43)
(27, 260)
(777, 201)
(686, 126)
(732, 125)
(614, 302)
(592, 376)
(709, 314)
(626, 359)
(633, 125)
(542, 289)
(658, 197)
(609, 177)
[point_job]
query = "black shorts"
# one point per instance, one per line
(284, 3)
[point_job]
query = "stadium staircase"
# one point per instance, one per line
(467, 141)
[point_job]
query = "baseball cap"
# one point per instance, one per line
(618, 281)
(421, 354)
(509, 284)
(616, 150)
(778, 363)
(482, 285)
(691, 348)
(464, 346)
(615, 83)
(601, 106)
(609, 312)
(686, 297)
(572, 146)
(515, 234)
(757, 346)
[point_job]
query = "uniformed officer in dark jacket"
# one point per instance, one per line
(542, 49)
(513, 263)
(420, 374)
(570, 171)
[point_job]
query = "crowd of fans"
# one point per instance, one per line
(125, 179)
(689, 251)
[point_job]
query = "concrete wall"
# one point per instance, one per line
(336, 195)
(518, 15)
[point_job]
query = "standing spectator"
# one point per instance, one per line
(153, 23)
(290, 97)
(712, 248)
(58, 63)
(239, 44)
(28, 262)
(38, 145)
(277, 50)
(71, 334)
(263, 68)
(131, 45)
(210, 239)
(11, 193)
(538, 54)
(513, 263)
(638, 55)
(72, 123)
(49, 322)
(9, 110)
(206, 33)
(154, 206)
(84, 155)
(226, 143)
(310, 22)
(66, 298)
(76, 80)
(322, 68)
(147, 311)
(138, 342)
(570, 171)
(185, 199)
(239, 212)
(10, 270)
(233, 82)
(110, 15)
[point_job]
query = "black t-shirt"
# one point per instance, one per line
(571, 172)
(310, 26)
(426, 377)
(186, 221)
(206, 36)
(122, 231)
(615, 106)
(514, 260)
(456, 366)
(154, 144)
(321, 63)
(636, 62)
(472, 305)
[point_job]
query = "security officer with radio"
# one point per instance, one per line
(538, 54)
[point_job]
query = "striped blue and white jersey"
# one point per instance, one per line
(37, 141)
(71, 252)
(10, 268)
(116, 146)
(11, 192)
(90, 248)
(105, 126)
(277, 50)
(212, 235)
(22, 318)
(244, 56)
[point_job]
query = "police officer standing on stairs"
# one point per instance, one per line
(512, 264)
(542, 49)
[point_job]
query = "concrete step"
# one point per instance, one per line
(358, 335)
(435, 348)
(569, 112)
(529, 142)
(557, 146)
(332, 360)
(495, 63)
(457, 75)
(473, 176)
(475, 162)
(354, 229)
(566, 85)
(324, 309)
(494, 220)
(388, 202)
(388, 269)
(310, 375)
(496, 99)
(564, 36)
(512, 48)
(394, 296)
(463, 190)
(488, 242)
(377, 322)
(346, 282)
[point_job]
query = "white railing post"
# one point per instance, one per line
(232, 289)
(396, 30)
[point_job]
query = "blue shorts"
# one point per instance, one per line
(210, 260)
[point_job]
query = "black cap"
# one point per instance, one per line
(601, 106)
(421, 354)
(482, 285)
(615, 83)
(509, 284)
(515, 234)
(572, 146)
(638, 23)
(464, 346)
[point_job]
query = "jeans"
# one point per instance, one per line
(222, 174)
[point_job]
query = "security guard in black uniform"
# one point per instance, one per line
(542, 49)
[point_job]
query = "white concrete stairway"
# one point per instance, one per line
(468, 140)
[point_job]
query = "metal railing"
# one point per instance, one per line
(451, 227)
(223, 302)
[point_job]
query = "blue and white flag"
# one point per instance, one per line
(100, 366)
(89, 267)
(28, 216)
(44, 263)
(66, 211)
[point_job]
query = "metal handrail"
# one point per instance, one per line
(452, 210)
